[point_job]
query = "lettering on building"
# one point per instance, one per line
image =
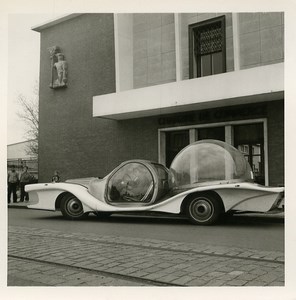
(214, 115)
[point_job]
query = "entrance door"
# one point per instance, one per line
(249, 139)
(216, 133)
(175, 142)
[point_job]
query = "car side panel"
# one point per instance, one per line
(40, 199)
(247, 199)
(44, 196)
(243, 196)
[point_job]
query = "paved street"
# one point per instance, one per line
(55, 257)
(248, 231)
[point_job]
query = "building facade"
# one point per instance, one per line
(146, 85)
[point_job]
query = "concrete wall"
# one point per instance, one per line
(154, 49)
(264, 83)
(124, 51)
(150, 40)
(261, 38)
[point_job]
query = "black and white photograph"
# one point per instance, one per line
(147, 150)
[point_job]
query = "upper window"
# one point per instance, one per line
(207, 54)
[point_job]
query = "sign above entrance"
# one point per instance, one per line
(215, 115)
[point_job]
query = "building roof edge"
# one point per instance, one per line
(22, 142)
(55, 21)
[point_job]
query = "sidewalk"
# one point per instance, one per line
(18, 204)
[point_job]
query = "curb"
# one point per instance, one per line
(18, 205)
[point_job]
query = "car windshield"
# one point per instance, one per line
(133, 182)
(208, 161)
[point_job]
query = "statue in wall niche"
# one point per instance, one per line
(59, 69)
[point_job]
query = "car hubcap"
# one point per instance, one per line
(201, 210)
(74, 207)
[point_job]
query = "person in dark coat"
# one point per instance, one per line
(12, 181)
(26, 177)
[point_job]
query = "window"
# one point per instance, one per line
(207, 53)
(249, 139)
(175, 142)
(248, 136)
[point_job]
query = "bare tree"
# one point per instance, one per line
(29, 113)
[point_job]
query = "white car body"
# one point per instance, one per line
(239, 197)
(141, 186)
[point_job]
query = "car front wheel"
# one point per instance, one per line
(71, 208)
(203, 209)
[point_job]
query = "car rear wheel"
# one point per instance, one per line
(203, 209)
(71, 208)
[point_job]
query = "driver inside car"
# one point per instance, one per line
(134, 184)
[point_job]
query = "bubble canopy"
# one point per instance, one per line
(206, 161)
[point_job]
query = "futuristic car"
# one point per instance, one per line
(206, 179)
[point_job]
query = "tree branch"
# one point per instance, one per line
(29, 113)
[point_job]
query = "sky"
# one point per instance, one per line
(23, 67)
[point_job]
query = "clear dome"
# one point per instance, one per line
(206, 161)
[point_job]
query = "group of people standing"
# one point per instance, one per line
(14, 181)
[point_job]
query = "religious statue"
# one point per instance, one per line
(59, 69)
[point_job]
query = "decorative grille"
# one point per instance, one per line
(209, 39)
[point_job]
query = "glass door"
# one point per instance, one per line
(215, 133)
(249, 139)
(175, 142)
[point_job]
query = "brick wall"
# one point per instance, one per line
(276, 143)
(69, 136)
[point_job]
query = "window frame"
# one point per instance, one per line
(228, 137)
(192, 28)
